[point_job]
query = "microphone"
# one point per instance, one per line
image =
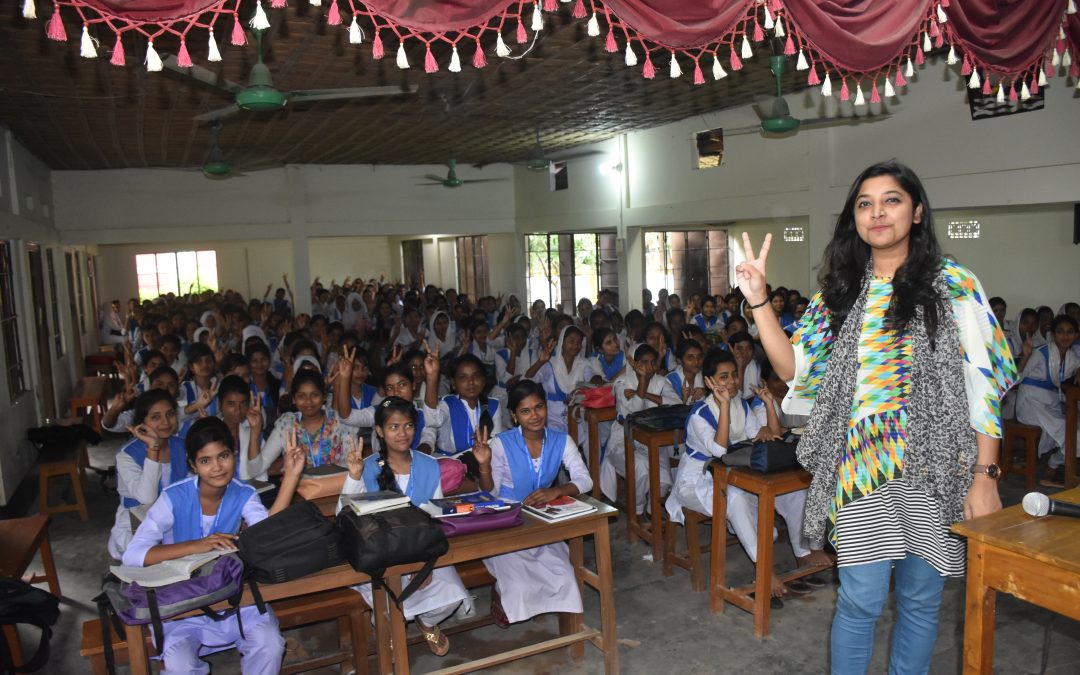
(1037, 504)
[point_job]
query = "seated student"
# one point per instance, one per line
(1046, 319)
(778, 302)
(742, 346)
(716, 423)
(708, 321)
(999, 307)
(152, 460)
(197, 392)
(657, 337)
(237, 364)
(302, 350)
(201, 514)
(463, 413)
(410, 335)
(172, 349)
(640, 387)
(730, 306)
(523, 464)
(512, 361)
(151, 339)
(561, 373)
(152, 360)
(443, 335)
(1039, 401)
(675, 320)
(361, 394)
(686, 380)
(398, 468)
(691, 333)
(242, 413)
(609, 360)
(120, 414)
(263, 383)
(1024, 330)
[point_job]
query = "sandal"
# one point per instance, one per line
(497, 613)
(799, 587)
(437, 642)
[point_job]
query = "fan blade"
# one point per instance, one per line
(742, 131)
(770, 106)
(825, 122)
(311, 95)
(485, 180)
(576, 155)
(201, 75)
(433, 177)
(439, 184)
(220, 113)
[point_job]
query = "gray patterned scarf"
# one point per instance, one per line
(940, 442)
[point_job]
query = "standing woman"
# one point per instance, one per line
(901, 366)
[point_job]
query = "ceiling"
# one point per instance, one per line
(75, 113)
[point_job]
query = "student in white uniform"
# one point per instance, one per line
(742, 346)
(200, 514)
(608, 360)
(152, 460)
(1043, 370)
(560, 372)
(523, 464)
(198, 392)
(399, 468)
(686, 379)
(640, 387)
(719, 421)
(241, 410)
(121, 414)
(708, 321)
(512, 363)
(463, 413)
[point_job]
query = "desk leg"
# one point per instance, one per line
(50, 566)
(383, 646)
(136, 646)
(608, 637)
(11, 636)
(569, 622)
(656, 515)
(1071, 479)
(398, 638)
(718, 549)
(763, 567)
(979, 620)
(631, 489)
(594, 454)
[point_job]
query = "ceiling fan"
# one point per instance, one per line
(538, 160)
(776, 117)
(451, 180)
(260, 94)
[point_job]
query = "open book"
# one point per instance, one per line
(373, 502)
(165, 573)
(260, 486)
(323, 471)
(561, 508)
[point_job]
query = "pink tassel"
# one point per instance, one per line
(550, 5)
(648, 71)
(735, 61)
(376, 46)
(844, 93)
(238, 37)
(944, 4)
(900, 81)
(759, 34)
(117, 52)
(183, 59)
(55, 28)
(699, 77)
(812, 79)
(1012, 92)
(478, 58)
(987, 89)
(277, 4)
(579, 10)
(1074, 69)
(934, 31)
(789, 47)
(430, 65)
(522, 36)
(874, 96)
(609, 44)
(333, 16)
(1049, 69)
(939, 40)
(919, 58)
(965, 69)
(1034, 86)
(775, 6)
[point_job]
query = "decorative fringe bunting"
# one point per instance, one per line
(118, 53)
(213, 54)
(153, 61)
(455, 60)
(845, 94)
(889, 91)
(55, 28)
(674, 70)
(768, 19)
(549, 5)
(1042, 78)
(402, 57)
(986, 88)
(718, 72)
(734, 61)
(333, 15)
(313, 3)
(631, 57)
(579, 10)
(478, 58)
(593, 27)
(965, 69)
(941, 14)
(356, 36)
(926, 42)
(538, 18)
(1055, 59)
(29, 11)
(973, 82)
(430, 64)
(859, 98)
(259, 21)
(951, 58)
(939, 40)
(699, 77)
(183, 58)
(280, 4)
(1071, 9)
(1012, 92)
(826, 86)
(801, 64)
(522, 37)
(238, 38)
(377, 51)
(1034, 86)
(789, 47)
(500, 46)
(759, 34)
(745, 50)
(609, 44)
(934, 30)
(1066, 60)
(900, 81)
(1001, 92)
(86, 45)
(875, 97)
(919, 56)
(1025, 93)
(909, 70)
(779, 32)
(648, 71)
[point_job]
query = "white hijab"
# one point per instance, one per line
(449, 344)
(1072, 360)
(254, 331)
(568, 379)
(350, 316)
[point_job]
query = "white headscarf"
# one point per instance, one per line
(568, 379)
(449, 343)
(199, 332)
(306, 358)
(209, 313)
(350, 316)
(253, 331)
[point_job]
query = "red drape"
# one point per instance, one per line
(441, 16)
(678, 23)
(1005, 35)
(151, 11)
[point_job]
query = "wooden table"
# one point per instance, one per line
(654, 532)
(1072, 401)
(593, 418)
(755, 597)
(20, 540)
(92, 393)
(390, 623)
(1034, 559)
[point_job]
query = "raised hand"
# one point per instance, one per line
(347, 361)
(353, 458)
(481, 450)
(206, 397)
(143, 433)
(1026, 347)
(750, 274)
(395, 356)
(764, 394)
(294, 459)
(720, 394)
(254, 413)
(431, 361)
(547, 351)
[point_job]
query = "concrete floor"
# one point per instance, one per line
(663, 626)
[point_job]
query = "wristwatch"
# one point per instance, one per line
(991, 470)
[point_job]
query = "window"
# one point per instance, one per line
(694, 261)
(563, 268)
(472, 267)
(710, 148)
(179, 273)
(964, 229)
(91, 282)
(9, 324)
(75, 287)
(54, 303)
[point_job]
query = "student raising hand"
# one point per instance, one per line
(254, 414)
(354, 460)
(720, 394)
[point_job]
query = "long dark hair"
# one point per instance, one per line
(847, 255)
(388, 406)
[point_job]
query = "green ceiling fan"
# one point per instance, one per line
(451, 179)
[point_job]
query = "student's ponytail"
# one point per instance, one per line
(386, 478)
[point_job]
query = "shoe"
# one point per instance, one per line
(799, 587)
(497, 613)
(437, 642)
(814, 581)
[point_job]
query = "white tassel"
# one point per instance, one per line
(315, 3)
(745, 50)
(951, 59)
(926, 45)
(631, 57)
(402, 58)
(86, 45)
(29, 11)
(718, 72)
(675, 71)
(941, 14)
(859, 98)
(1072, 8)
(1078, 84)
(974, 82)
(537, 19)
(826, 86)
(1061, 33)
(1042, 78)
(909, 69)
(593, 27)
(1066, 59)
(259, 21)
(455, 61)
(1001, 92)
(779, 32)
(801, 64)
(768, 19)
(1025, 93)
(153, 61)
(1055, 58)
(356, 36)
(889, 91)
(500, 47)
(212, 52)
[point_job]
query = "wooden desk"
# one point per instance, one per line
(390, 623)
(1034, 559)
(593, 418)
(755, 597)
(1072, 402)
(654, 533)
(92, 393)
(20, 540)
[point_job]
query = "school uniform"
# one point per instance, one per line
(541, 579)
(609, 370)
(427, 424)
(1039, 400)
(677, 378)
(139, 480)
(694, 486)
(243, 443)
(559, 382)
(445, 592)
(614, 462)
(189, 393)
(177, 517)
(406, 340)
(458, 422)
(751, 380)
(708, 324)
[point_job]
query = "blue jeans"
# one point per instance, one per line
(863, 592)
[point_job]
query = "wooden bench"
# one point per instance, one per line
(593, 418)
(101, 364)
(1029, 435)
(91, 393)
(653, 533)
(345, 605)
(690, 560)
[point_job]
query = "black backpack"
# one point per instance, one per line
(660, 418)
(290, 544)
(21, 603)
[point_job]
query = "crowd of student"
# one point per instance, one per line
(218, 389)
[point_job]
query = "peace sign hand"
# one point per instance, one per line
(348, 359)
(353, 458)
(395, 356)
(750, 274)
(254, 413)
(720, 394)
(431, 361)
(481, 450)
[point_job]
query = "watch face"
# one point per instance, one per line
(992, 470)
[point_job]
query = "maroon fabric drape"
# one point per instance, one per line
(858, 35)
(678, 23)
(1005, 35)
(151, 11)
(440, 16)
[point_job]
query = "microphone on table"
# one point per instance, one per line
(1037, 504)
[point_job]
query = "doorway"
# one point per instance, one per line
(412, 259)
(41, 328)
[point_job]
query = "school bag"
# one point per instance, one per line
(21, 603)
(290, 544)
(376, 541)
(765, 457)
(660, 418)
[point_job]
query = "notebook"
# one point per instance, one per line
(560, 509)
(165, 573)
